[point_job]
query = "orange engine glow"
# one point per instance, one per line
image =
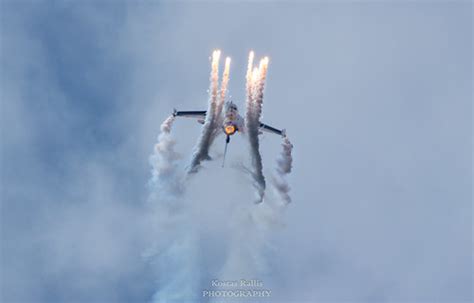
(229, 129)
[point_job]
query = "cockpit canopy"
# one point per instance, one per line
(230, 106)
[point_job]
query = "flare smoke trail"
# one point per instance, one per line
(255, 86)
(284, 165)
(252, 250)
(225, 82)
(220, 104)
(174, 251)
(259, 87)
(248, 84)
(164, 162)
(205, 140)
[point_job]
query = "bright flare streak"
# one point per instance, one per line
(250, 65)
(249, 87)
(248, 76)
(215, 73)
(263, 72)
(255, 75)
(260, 66)
(258, 80)
(255, 85)
(225, 77)
(263, 67)
(225, 81)
(227, 64)
(215, 57)
(205, 140)
(214, 79)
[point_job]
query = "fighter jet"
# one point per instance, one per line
(232, 122)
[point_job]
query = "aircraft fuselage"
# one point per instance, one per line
(233, 122)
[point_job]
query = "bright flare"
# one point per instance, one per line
(250, 65)
(263, 67)
(227, 64)
(223, 92)
(255, 75)
(215, 56)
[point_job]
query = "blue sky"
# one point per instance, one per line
(376, 97)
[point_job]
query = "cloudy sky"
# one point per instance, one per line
(376, 97)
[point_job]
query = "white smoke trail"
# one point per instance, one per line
(248, 84)
(252, 251)
(165, 177)
(222, 95)
(248, 246)
(260, 77)
(173, 250)
(255, 86)
(284, 166)
(205, 140)
(177, 265)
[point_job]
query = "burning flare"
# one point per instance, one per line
(223, 91)
(201, 151)
(214, 117)
(255, 77)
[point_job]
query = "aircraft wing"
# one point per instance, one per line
(270, 129)
(190, 114)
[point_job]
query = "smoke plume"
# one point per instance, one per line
(173, 253)
(165, 177)
(219, 118)
(254, 88)
(201, 151)
(284, 165)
